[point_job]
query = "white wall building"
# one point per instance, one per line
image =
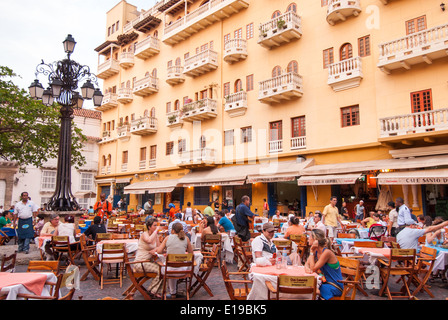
(40, 183)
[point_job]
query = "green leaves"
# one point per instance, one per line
(29, 130)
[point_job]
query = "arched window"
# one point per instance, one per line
(146, 113)
(156, 34)
(276, 14)
(104, 161)
(176, 105)
(153, 112)
(128, 84)
(178, 62)
(109, 159)
(346, 51)
(126, 120)
(277, 71)
(292, 7)
(154, 73)
(147, 74)
(202, 142)
(293, 66)
(238, 85)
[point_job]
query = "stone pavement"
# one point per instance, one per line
(90, 289)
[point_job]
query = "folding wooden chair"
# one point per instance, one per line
(244, 254)
(401, 263)
(205, 269)
(235, 293)
(209, 240)
(353, 271)
(388, 240)
(117, 236)
(43, 266)
(302, 245)
(346, 235)
(306, 285)
(423, 269)
(276, 223)
(60, 246)
(368, 244)
(90, 258)
(103, 236)
(282, 245)
(9, 262)
(112, 253)
(178, 267)
(139, 278)
(3, 238)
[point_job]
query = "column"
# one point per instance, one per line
(415, 197)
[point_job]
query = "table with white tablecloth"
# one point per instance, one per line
(441, 258)
(11, 291)
(227, 249)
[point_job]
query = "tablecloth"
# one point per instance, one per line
(441, 258)
(10, 232)
(227, 249)
(372, 254)
(347, 243)
(13, 290)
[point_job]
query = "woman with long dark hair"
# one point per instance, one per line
(208, 226)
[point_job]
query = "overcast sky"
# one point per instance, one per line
(33, 30)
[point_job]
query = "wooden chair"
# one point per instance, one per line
(43, 266)
(9, 262)
(368, 244)
(283, 245)
(139, 278)
(90, 258)
(3, 238)
(117, 236)
(103, 236)
(205, 269)
(401, 263)
(350, 226)
(293, 285)
(423, 269)
(244, 253)
(394, 245)
(347, 235)
(112, 253)
(388, 240)
(353, 271)
(61, 245)
(112, 228)
(185, 267)
(277, 223)
(422, 240)
(253, 235)
(301, 241)
(210, 240)
(235, 293)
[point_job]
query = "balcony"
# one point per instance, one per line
(107, 137)
(175, 75)
(103, 170)
(235, 50)
(108, 69)
(275, 146)
(201, 63)
(123, 133)
(345, 74)
(197, 158)
(424, 46)
(125, 95)
(146, 86)
(174, 120)
(205, 15)
(200, 110)
(298, 143)
(142, 165)
(124, 167)
(340, 10)
(109, 102)
(284, 87)
(152, 163)
(144, 126)
(280, 30)
(419, 122)
(127, 60)
(236, 104)
(147, 48)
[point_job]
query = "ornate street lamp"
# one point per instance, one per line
(63, 77)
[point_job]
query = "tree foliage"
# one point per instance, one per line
(29, 130)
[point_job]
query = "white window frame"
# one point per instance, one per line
(48, 181)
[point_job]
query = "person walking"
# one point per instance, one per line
(331, 217)
(241, 221)
(25, 212)
(360, 211)
(103, 208)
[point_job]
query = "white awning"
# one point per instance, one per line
(85, 194)
(224, 176)
(279, 171)
(328, 179)
(162, 186)
(436, 176)
(123, 180)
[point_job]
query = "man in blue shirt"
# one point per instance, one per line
(225, 222)
(404, 214)
(241, 222)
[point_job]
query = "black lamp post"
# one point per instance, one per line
(63, 77)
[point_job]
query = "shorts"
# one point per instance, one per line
(331, 231)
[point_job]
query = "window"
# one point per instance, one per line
(211, 45)
(346, 52)
(228, 138)
(250, 31)
(292, 7)
(143, 154)
(177, 62)
(156, 34)
(204, 47)
(276, 72)
(203, 94)
(168, 107)
(176, 105)
(186, 56)
(350, 116)
(238, 85)
(113, 28)
(323, 3)
(364, 46)
(169, 148)
(201, 196)
(416, 25)
(250, 82)
(226, 37)
(83, 203)
(86, 181)
(45, 200)
(117, 25)
(153, 152)
(293, 66)
(298, 127)
(226, 89)
(238, 34)
(108, 31)
(124, 157)
(328, 57)
(276, 14)
(421, 101)
(48, 180)
(275, 131)
(170, 63)
(181, 145)
(246, 134)
(202, 142)
(152, 114)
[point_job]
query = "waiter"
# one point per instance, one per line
(24, 212)
(103, 208)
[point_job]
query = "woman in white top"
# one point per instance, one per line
(68, 229)
(188, 213)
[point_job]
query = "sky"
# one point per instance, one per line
(33, 30)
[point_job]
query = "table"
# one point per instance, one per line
(10, 232)
(347, 243)
(227, 249)
(372, 254)
(259, 276)
(12, 284)
(441, 258)
(131, 245)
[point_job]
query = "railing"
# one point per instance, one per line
(109, 64)
(109, 97)
(124, 167)
(173, 118)
(108, 170)
(207, 54)
(298, 142)
(344, 67)
(334, 5)
(276, 146)
(173, 70)
(142, 165)
(151, 12)
(415, 122)
(103, 170)
(149, 41)
(206, 103)
(274, 24)
(282, 80)
(124, 92)
(150, 80)
(147, 121)
(127, 55)
(416, 40)
(236, 44)
(152, 163)
(198, 155)
(106, 134)
(122, 129)
(236, 97)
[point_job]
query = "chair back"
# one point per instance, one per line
(179, 261)
(9, 262)
(422, 240)
(406, 256)
(276, 222)
(351, 269)
(368, 244)
(103, 236)
(296, 285)
(346, 235)
(113, 253)
(350, 226)
(43, 266)
(116, 236)
(283, 245)
(427, 258)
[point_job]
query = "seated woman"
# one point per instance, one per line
(176, 243)
(67, 228)
(323, 258)
(208, 226)
(295, 227)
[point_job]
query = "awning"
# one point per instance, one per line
(328, 179)
(224, 176)
(372, 165)
(85, 194)
(278, 171)
(436, 176)
(123, 180)
(162, 186)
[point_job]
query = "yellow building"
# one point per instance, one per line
(278, 100)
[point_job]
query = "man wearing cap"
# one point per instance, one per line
(359, 210)
(178, 217)
(408, 236)
(263, 248)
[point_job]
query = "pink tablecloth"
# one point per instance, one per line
(272, 270)
(376, 252)
(41, 240)
(33, 282)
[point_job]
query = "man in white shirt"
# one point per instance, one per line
(408, 237)
(318, 224)
(25, 212)
(263, 248)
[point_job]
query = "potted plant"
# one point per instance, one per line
(262, 32)
(281, 24)
(172, 119)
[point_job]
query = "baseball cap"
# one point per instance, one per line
(178, 215)
(268, 227)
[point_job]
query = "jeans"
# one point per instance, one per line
(24, 244)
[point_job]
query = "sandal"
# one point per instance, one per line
(444, 280)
